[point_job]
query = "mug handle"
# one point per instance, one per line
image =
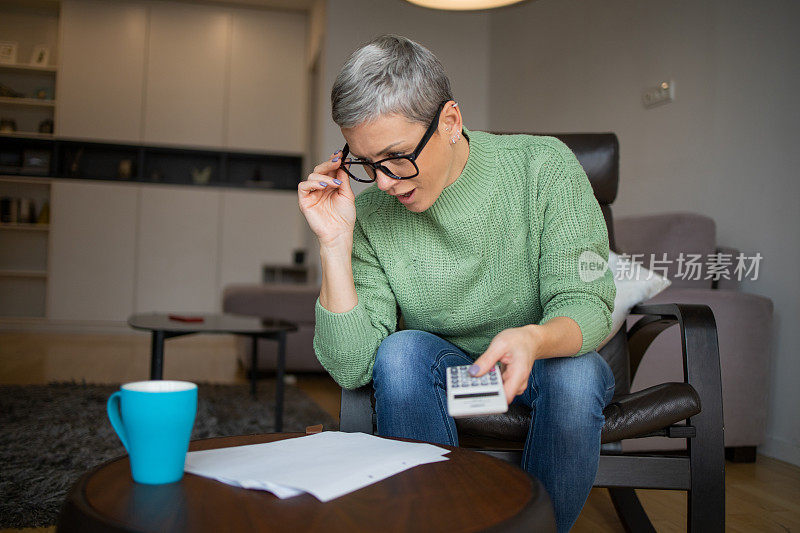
(115, 416)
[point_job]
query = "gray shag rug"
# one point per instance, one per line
(52, 434)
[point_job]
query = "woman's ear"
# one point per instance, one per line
(451, 118)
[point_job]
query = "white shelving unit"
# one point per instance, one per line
(24, 246)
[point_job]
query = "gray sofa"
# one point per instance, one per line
(294, 303)
(744, 325)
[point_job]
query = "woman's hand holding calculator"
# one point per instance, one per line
(516, 349)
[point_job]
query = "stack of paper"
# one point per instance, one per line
(326, 465)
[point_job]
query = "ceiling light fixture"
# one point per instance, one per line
(463, 5)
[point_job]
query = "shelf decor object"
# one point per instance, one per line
(35, 162)
(125, 169)
(8, 125)
(43, 93)
(292, 274)
(8, 92)
(8, 52)
(41, 55)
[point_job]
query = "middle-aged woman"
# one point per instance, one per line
(474, 239)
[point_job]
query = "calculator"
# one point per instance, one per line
(469, 396)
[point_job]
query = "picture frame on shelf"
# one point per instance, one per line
(40, 56)
(8, 52)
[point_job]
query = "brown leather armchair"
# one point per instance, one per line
(655, 411)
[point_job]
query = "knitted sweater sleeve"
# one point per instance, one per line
(346, 343)
(573, 232)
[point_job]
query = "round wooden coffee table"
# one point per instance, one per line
(470, 492)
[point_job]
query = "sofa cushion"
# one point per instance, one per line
(634, 284)
(670, 233)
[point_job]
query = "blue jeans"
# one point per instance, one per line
(566, 396)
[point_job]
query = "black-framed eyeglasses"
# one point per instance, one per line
(399, 167)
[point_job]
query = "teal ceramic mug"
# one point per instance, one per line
(154, 421)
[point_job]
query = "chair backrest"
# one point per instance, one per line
(598, 154)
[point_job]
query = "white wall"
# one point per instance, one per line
(727, 146)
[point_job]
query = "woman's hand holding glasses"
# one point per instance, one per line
(328, 203)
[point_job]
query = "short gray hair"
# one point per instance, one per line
(390, 74)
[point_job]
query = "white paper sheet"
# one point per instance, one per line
(327, 465)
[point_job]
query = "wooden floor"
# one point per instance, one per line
(761, 496)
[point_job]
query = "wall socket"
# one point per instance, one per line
(662, 93)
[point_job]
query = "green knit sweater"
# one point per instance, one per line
(498, 249)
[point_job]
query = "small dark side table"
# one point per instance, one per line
(162, 328)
